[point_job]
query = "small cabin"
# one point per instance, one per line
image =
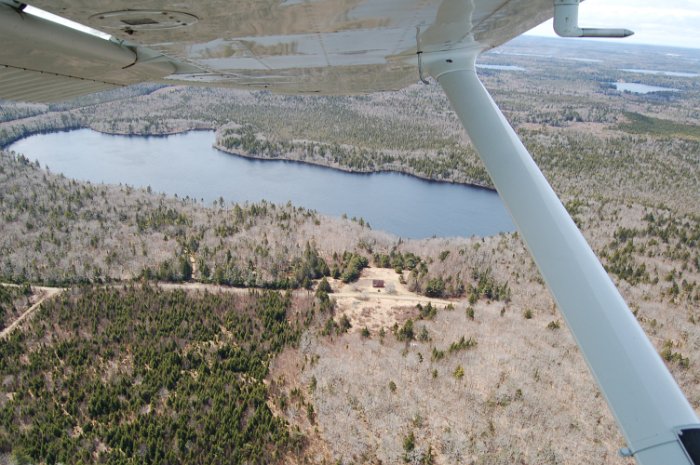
(378, 283)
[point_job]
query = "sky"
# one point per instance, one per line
(656, 22)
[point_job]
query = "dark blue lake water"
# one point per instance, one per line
(188, 165)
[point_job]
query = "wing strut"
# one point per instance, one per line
(648, 405)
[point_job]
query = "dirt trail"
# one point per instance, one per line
(363, 303)
(44, 294)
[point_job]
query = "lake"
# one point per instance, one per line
(641, 88)
(187, 165)
(661, 73)
(500, 67)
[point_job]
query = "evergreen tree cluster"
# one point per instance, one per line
(145, 376)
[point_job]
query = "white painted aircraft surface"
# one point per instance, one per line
(358, 46)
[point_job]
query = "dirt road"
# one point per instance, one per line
(44, 293)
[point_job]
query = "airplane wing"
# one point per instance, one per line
(290, 46)
(352, 46)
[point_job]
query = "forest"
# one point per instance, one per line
(133, 374)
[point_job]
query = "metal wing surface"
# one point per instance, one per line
(289, 46)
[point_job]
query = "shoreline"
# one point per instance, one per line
(148, 134)
(351, 170)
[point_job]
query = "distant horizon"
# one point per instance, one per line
(622, 42)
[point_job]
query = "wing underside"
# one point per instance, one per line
(291, 46)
